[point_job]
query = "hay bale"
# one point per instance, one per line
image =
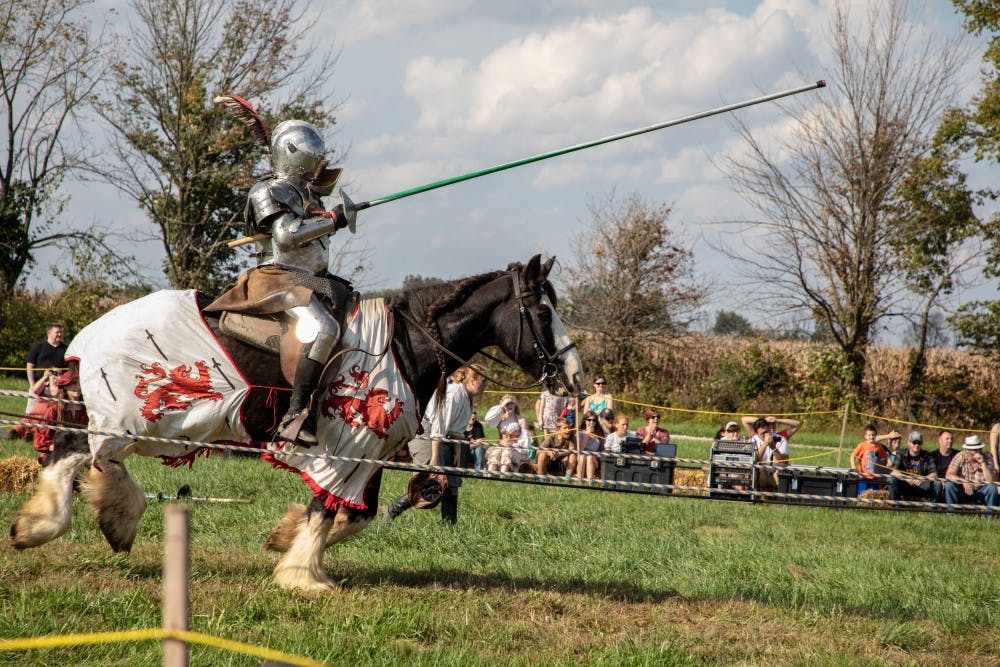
(17, 473)
(875, 494)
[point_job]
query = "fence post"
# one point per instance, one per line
(176, 563)
(843, 431)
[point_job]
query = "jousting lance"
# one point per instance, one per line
(351, 208)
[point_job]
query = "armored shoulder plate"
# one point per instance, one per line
(268, 199)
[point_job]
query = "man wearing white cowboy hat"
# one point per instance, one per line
(971, 476)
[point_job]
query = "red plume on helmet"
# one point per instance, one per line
(246, 114)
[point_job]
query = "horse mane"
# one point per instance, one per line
(435, 301)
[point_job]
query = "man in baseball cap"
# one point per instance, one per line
(914, 474)
(971, 476)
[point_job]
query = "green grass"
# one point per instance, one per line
(531, 575)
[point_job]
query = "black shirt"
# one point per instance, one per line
(922, 464)
(941, 461)
(44, 355)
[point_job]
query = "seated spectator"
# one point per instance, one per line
(476, 436)
(914, 475)
(52, 385)
(598, 400)
(892, 440)
(558, 462)
(651, 434)
(772, 448)
(514, 436)
(607, 419)
(548, 407)
(944, 453)
(971, 476)
(616, 439)
(869, 457)
(731, 431)
(588, 465)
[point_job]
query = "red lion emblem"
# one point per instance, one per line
(177, 394)
(371, 410)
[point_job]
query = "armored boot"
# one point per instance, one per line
(396, 507)
(449, 507)
(299, 423)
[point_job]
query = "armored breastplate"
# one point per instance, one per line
(279, 204)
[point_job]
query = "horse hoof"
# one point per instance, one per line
(301, 579)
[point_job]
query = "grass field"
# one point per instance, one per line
(530, 575)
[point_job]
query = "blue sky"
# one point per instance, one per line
(436, 88)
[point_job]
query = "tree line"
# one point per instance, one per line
(863, 210)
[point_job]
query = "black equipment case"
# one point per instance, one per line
(617, 468)
(828, 482)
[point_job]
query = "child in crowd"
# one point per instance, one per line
(870, 457)
(614, 441)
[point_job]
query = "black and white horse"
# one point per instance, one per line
(434, 329)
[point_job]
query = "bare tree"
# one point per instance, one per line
(49, 66)
(829, 195)
(186, 163)
(631, 282)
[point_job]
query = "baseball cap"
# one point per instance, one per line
(916, 436)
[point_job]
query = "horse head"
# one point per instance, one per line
(529, 329)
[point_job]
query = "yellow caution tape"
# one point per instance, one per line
(157, 633)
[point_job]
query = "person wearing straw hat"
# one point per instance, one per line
(971, 476)
(914, 475)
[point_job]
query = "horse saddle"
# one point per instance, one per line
(273, 333)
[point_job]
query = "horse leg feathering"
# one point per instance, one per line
(117, 501)
(46, 515)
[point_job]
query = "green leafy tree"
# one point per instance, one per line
(977, 129)
(50, 63)
(185, 161)
(729, 323)
(935, 221)
(632, 283)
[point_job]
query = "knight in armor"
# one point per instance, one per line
(292, 228)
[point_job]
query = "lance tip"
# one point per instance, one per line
(821, 83)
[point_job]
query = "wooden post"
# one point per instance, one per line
(843, 432)
(176, 563)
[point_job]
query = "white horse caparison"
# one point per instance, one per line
(512, 310)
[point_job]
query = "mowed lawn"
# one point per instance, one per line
(530, 575)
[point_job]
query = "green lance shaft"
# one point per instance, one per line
(579, 147)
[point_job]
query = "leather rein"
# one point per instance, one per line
(549, 367)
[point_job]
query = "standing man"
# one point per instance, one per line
(971, 474)
(293, 233)
(48, 354)
(914, 475)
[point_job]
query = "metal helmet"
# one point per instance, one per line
(298, 151)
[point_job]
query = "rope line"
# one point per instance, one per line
(577, 482)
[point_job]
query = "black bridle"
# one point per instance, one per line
(550, 369)
(548, 359)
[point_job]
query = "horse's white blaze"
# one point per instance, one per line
(572, 365)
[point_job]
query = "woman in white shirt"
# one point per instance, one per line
(443, 423)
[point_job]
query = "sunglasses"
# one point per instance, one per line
(598, 384)
(590, 419)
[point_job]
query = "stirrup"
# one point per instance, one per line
(298, 428)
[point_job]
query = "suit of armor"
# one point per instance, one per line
(288, 208)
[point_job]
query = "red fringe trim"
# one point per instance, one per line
(330, 501)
